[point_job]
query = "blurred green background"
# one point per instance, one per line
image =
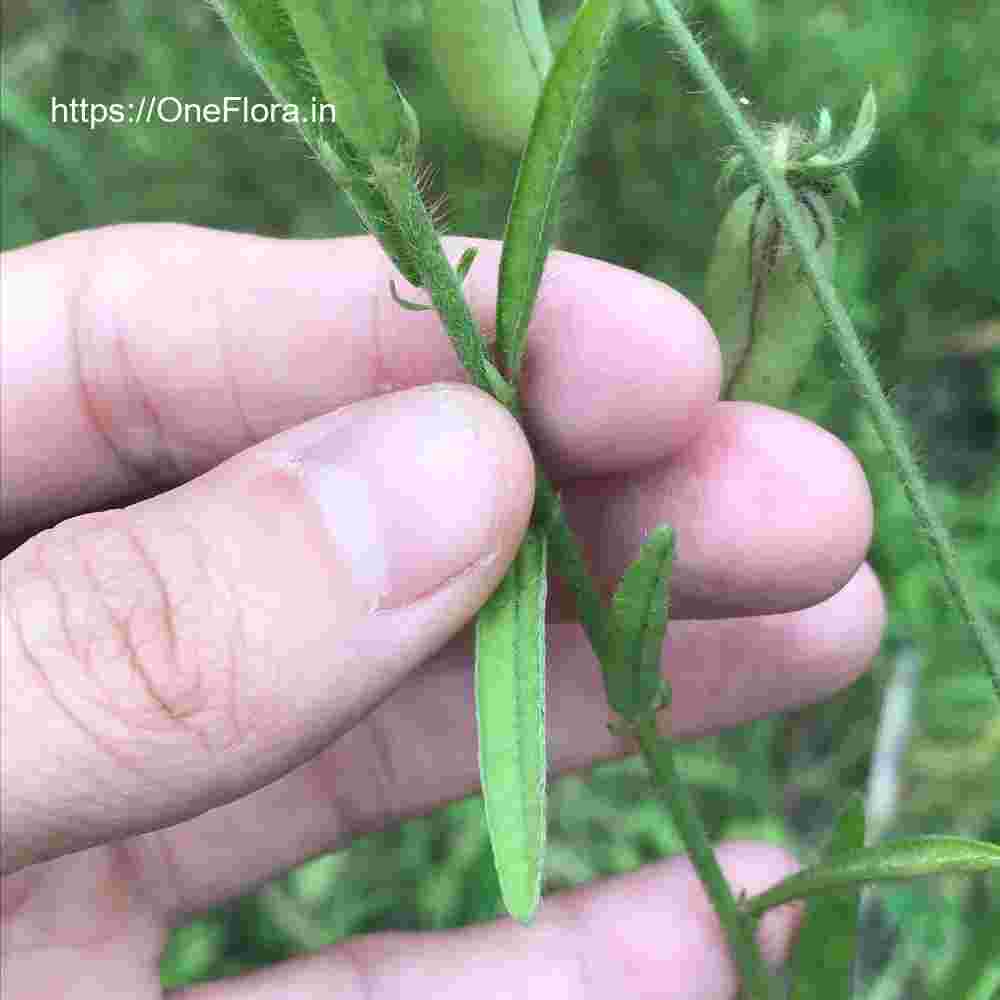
(918, 269)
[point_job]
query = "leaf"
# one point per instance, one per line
(510, 710)
(864, 129)
(890, 861)
(824, 952)
(639, 613)
(558, 114)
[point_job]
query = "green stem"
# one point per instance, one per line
(396, 182)
(567, 558)
(658, 752)
(888, 425)
(392, 179)
(445, 289)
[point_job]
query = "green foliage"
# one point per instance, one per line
(918, 268)
(893, 860)
(510, 711)
(529, 232)
(823, 959)
(639, 614)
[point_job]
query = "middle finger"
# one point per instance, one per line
(417, 750)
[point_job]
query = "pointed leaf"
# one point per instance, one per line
(561, 108)
(510, 710)
(892, 860)
(863, 132)
(639, 613)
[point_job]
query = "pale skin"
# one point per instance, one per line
(259, 648)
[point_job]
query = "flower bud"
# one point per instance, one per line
(757, 296)
(759, 301)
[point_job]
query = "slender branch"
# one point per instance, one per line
(888, 425)
(445, 289)
(388, 175)
(396, 182)
(739, 927)
(571, 565)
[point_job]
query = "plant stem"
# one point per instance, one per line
(391, 178)
(888, 425)
(569, 562)
(396, 182)
(445, 289)
(658, 752)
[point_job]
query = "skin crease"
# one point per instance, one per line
(189, 383)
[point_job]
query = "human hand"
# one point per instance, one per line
(264, 652)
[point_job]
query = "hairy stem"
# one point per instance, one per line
(396, 182)
(383, 174)
(568, 559)
(658, 752)
(445, 289)
(887, 423)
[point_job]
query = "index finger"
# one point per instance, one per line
(139, 356)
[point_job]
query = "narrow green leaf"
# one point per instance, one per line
(864, 129)
(824, 952)
(510, 710)
(892, 860)
(639, 613)
(528, 236)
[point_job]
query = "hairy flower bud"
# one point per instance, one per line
(758, 301)
(757, 296)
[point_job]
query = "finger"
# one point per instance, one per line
(606, 388)
(771, 513)
(417, 750)
(187, 650)
(651, 933)
(162, 350)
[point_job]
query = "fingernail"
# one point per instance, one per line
(408, 491)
